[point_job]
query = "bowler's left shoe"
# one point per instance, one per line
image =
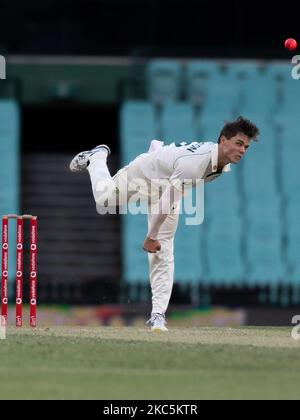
(81, 161)
(158, 322)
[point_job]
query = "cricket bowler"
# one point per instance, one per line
(161, 176)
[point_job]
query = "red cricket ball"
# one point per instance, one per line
(290, 44)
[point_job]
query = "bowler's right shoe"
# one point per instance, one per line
(81, 161)
(158, 322)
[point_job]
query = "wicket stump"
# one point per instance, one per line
(19, 267)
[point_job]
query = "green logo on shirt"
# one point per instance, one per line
(193, 146)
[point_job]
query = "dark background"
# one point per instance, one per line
(147, 27)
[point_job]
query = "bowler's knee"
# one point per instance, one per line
(103, 192)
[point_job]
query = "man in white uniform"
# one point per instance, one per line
(181, 165)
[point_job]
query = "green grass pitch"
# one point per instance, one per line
(133, 363)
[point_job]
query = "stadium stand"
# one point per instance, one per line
(138, 127)
(177, 122)
(78, 257)
(9, 168)
(163, 81)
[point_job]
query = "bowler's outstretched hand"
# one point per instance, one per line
(151, 245)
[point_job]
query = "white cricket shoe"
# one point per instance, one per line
(81, 161)
(158, 322)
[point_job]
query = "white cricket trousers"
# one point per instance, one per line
(161, 264)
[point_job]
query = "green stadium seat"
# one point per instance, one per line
(137, 128)
(163, 81)
(292, 252)
(290, 93)
(222, 97)
(264, 254)
(259, 95)
(279, 71)
(10, 167)
(188, 245)
(198, 74)
(225, 262)
(10, 156)
(209, 125)
(178, 123)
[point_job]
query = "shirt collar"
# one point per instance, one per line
(214, 160)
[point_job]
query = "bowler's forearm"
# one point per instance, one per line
(165, 206)
(155, 224)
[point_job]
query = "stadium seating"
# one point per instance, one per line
(198, 74)
(177, 123)
(163, 81)
(265, 260)
(138, 127)
(9, 150)
(9, 168)
(292, 255)
(188, 253)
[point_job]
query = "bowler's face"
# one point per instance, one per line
(235, 147)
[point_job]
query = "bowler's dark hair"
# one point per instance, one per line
(240, 125)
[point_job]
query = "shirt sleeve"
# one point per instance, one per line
(170, 196)
(186, 172)
(189, 169)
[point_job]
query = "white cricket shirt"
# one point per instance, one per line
(183, 162)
